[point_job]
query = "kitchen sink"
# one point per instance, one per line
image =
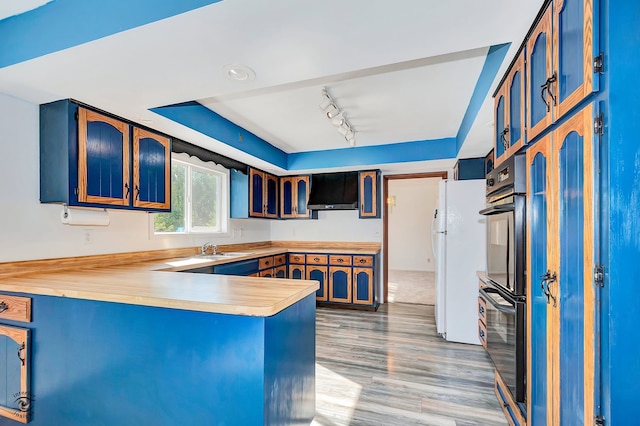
(224, 255)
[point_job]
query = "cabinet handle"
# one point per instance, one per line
(137, 192)
(503, 136)
(549, 278)
(126, 186)
(3, 307)
(546, 87)
(20, 349)
(340, 260)
(363, 261)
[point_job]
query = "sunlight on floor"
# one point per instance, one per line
(343, 392)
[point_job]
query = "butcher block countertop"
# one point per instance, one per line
(154, 279)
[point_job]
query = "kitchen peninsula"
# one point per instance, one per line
(140, 343)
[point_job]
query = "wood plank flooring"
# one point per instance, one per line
(391, 368)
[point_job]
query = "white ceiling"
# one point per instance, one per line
(402, 70)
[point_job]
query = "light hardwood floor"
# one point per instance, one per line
(390, 368)
(412, 287)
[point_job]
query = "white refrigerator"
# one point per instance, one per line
(458, 235)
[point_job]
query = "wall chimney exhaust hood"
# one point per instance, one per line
(334, 191)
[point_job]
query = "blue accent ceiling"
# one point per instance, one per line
(487, 75)
(62, 24)
(207, 122)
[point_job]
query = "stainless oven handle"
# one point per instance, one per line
(501, 308)
(500, 208)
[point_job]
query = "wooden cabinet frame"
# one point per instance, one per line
(23, 397)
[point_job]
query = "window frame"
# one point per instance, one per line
(223, 199)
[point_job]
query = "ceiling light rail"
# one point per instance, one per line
(338, 117)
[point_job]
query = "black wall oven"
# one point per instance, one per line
(505, 291)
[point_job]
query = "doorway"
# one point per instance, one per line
(409, 262)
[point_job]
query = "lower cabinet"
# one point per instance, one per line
(15, 359)
(363, 286)
(511, 409)
(340, 284)
(319, 273)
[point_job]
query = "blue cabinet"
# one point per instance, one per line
(151, 170)
(369, 196)
(363, 286)
(88, 159)
(254, 194)
(563, 64)
(340, 284)
(263, 194)
(509, 112)
(15, 362)
(319, 273)
(294, 197)
(561, 238)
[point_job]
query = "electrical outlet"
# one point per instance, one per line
(88, 237)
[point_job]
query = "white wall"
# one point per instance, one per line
(30, 230)
(336, 225)
(410, 223)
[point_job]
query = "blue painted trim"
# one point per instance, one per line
(489, 71)
(62, 24)
(403, 152)
(202, 119)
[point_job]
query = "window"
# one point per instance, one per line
(199, 198)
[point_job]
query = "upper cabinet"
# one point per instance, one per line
(151, 170)
(88, 159)
(263, 194)
(369, 184)
(294, 196)
(509, 112)
(554, 71)
(562, 58)
(540, 93)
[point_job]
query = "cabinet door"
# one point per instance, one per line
(301, 196)
(319, 273)
(538, 228)
(151, 170)
(280, 272)
(575, 46)
(340, 284)
(515, 87)
(501, 126)
(363, 286)
(573, 292)
(287, 196)
(296, 272)
(540, 77)
(257, 203)
(267, 273)
(271, 196)
(369, 200)
(103, 159)
(15, 396)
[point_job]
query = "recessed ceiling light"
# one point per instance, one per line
(238, 72)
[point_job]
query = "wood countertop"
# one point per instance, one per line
(159, 283)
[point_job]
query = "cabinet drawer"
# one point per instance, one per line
(340, 260)
(317, 259)
(265, 262)
(482, 310)
(298, 259)
(15, 308)
(279, 259)
(482, 333)
(363, 260)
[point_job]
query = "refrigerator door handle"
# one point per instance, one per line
(434, 220)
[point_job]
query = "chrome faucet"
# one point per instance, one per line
(205, 247)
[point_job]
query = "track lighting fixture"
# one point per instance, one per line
(337, 116)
